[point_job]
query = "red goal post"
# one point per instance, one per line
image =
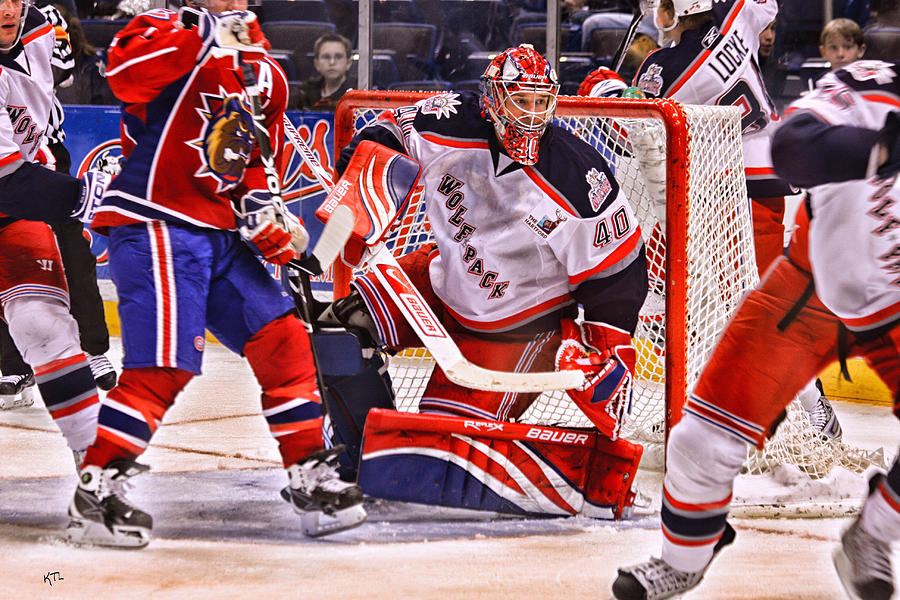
(701, 259)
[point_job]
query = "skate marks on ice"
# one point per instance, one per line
(245, 506)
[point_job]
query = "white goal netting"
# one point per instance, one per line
(698, 274)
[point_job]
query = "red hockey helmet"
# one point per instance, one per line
(518, 94)
(602, 82)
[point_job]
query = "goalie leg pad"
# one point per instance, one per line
(355, 384)
(496, 466)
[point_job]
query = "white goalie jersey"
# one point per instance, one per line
(517, 243)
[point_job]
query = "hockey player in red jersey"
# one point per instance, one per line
(184, 218)
(528, 224)
(33, 291)
(833, 295)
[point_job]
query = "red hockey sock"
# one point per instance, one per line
(281, 359)
(131, 412)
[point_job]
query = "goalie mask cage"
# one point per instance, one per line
(700, 256)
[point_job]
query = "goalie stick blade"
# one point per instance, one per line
(472, 376)
(442, 347)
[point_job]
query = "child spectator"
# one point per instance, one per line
(332, 62)
(841, 43)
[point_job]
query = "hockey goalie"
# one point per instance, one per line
(529, 227)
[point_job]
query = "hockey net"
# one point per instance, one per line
(700, 254)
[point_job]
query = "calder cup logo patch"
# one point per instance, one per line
(600, 188)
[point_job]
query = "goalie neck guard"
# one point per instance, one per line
(518, 93)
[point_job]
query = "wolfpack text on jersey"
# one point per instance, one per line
(517, 243)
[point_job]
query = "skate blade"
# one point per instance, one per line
(20, 400)
(317, 523)
(845, 573)
(89, 533)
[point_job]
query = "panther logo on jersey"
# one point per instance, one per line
(226, 141)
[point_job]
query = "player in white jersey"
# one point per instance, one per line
(528, 224)
(17, 383)
(835, 294)
(33, 292)
(713, 61)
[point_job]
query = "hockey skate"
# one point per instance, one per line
(100, 514)
(103, 371)
(823, 418)
(656, 580)
(16, 391)
(326, 504)
(864, 565)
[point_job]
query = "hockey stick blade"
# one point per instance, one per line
(444, 350)
(335, 234)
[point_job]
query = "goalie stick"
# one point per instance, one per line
(429, 329)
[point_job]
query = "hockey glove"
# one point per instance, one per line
(276, 234)
(607, 358)
(889, 143)
(235, 29)
(93, 186)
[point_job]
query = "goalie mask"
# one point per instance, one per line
(518, 95)
(7, 17)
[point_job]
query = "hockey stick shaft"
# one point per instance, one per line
(619, 57)
(295, 281)
(306, 153)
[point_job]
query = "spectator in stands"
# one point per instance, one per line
(332, 62)
(886, 13)
(881, 33)
(89, 85)
(841, 43)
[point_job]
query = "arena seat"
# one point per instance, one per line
(100, 32)
(295, 10)
(296, 38)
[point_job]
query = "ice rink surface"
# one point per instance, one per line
(222, 531)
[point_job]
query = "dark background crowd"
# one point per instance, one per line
(446, 44)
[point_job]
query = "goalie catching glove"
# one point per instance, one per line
(606, 357)
(276, 234)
